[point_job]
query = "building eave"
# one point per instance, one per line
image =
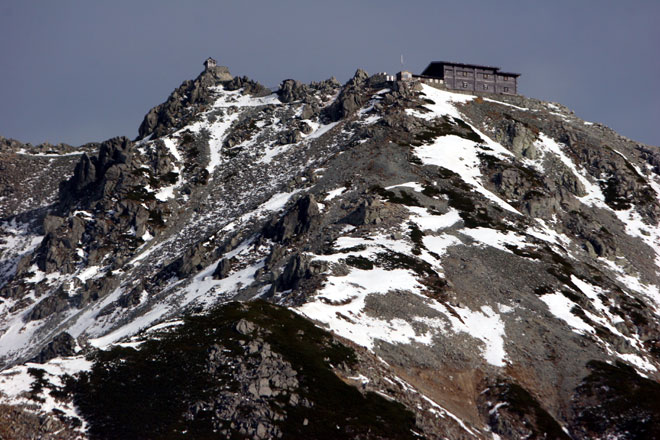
(509, 74)
(478, 66)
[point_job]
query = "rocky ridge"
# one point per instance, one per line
(492, 260)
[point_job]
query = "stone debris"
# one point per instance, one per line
(261, 375)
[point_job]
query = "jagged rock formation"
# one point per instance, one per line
(184, 103)
(490, 263)
(35, 172)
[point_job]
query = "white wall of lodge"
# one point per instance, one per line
(431, 80)
(401, 76)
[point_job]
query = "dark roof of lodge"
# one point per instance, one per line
(434, 64)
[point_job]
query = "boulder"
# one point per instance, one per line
(519, 139)
(62, 345)
(48, 306)
(367, 212)
(245, 327)
(222, 270)
(303, 216)
(291, 90)
(298, 268)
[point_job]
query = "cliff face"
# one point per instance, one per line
(488, 262)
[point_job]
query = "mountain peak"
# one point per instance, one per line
(488, 261)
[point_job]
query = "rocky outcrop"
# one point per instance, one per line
(615, 402)
(50, 305)
(311, 95)
(104, 212)
(263, 375)
(248, 85)
(519, 138)
(351, 97)
(303, 216)
(369, 211)
(514, 413)
(61, 241)
(106, 181)
(21, 423)
(62, 345)
(36, 171)
(223, 268)
(97, 176)
(291, 90)
(15, 146)
(297, 269)
(183, 103)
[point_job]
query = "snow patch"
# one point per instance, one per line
(320, 130)
(495, 238)
(426, 221)
(561, 307)
(340, 305)
(414, 185)
(486, 326)
(439, 244)
(334, 193)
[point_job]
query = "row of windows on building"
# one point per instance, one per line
(466, 85)
(484, 75)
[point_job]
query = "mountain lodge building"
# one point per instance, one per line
(471, 77)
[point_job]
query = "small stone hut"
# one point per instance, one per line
(210, 63)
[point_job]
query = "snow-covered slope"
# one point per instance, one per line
(489, 259)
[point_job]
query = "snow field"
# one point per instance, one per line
(341, 302)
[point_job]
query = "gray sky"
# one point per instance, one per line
(81, 71)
